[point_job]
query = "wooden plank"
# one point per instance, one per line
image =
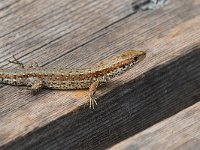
(80, 33)
(179, 132)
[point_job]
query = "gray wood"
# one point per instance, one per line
(180, 132)
(81, 33)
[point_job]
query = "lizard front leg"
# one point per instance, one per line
(92, 90)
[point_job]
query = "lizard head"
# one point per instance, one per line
(133, 55)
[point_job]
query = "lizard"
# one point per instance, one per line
(36, 78)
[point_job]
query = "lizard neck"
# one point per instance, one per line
(109, 71)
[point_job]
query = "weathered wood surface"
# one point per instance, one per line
(180, 132)
(81, 33)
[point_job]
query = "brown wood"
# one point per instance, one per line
(81, 33)
(180, 132)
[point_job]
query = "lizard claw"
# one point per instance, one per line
(93, 102)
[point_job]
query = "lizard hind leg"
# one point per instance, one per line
(17, 62)
(92, 90)
(21, 65)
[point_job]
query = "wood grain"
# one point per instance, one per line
(180, 132)
(81, 33)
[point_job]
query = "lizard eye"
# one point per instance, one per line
(135, 58)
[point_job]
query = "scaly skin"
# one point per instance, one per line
(72, 78)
